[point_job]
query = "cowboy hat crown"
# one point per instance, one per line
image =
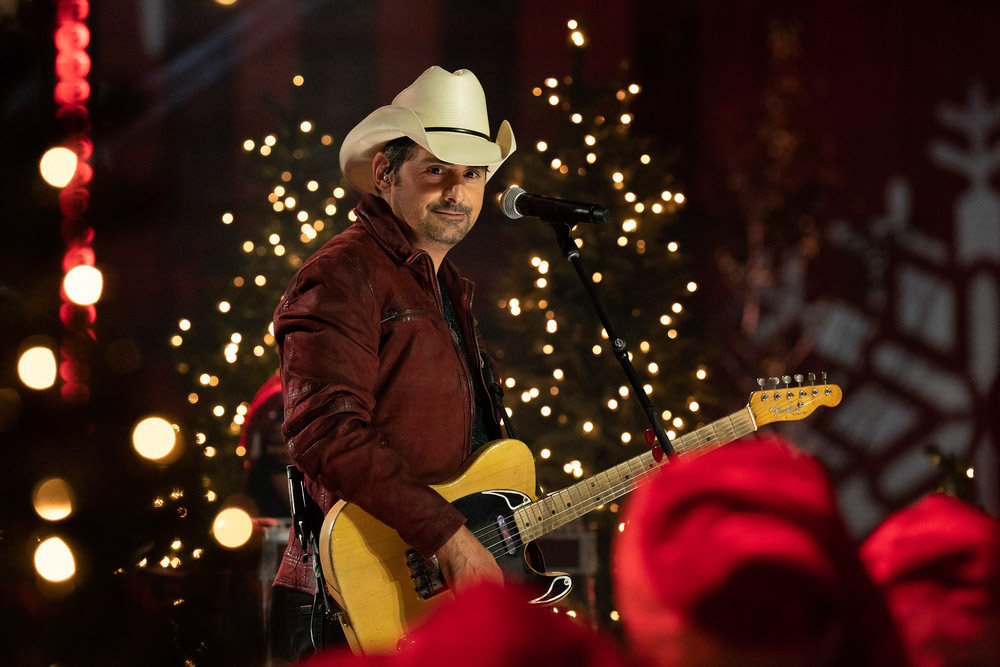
(444, 112)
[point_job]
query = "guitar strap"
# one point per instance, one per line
(307, 518)
(496, 393)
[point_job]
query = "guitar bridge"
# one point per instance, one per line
(426, 575)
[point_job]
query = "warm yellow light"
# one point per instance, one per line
(248, 145)
(621, 528)
(596, 350)
(270, 140)
(226, 2)
(543, 267)
(339, 192)
(666, 195)
(678, 422)
(970, 473)
(306, 126)
(53, 499)
(545, 410)
(623, 391)
(37, 368)
(218, 411)
(629, 225)
(154, 438)
(260, 280)
(541, 282)
(576, 118)
(648, 388)
(672, 246)
(693, 406)
(644, 346)
(545, 453)
(510, 383)
(83, 284)
(556, 163)
(626, 118)
(577, 37)
(265, 150)
(542, 146)
(58, 166)
(622, 241)
(557, 374)
(572, 24)
(289, 202)
(176, 340)
(597, 276)
(525, 396)
(612, 404)
(677, 307)
(692, 286)
(227, 218)
(54, 560)
(701, 374)
(665, 320)
(615, 616)
(617, 177)
(312, 186)
(551, 326)
(224, 306)
(653, 367)
(679, 198)
(248, 246)
(657, 207)
(590, 140)
(626, 438)
(297, 80)
(232, 527)
(551, 82)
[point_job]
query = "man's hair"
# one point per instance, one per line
(398, 151)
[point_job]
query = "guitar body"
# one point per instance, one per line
(384, 588)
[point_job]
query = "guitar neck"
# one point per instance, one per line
(561, 507)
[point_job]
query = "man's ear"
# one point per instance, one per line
(380, 171)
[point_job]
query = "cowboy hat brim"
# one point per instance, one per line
(370, 136)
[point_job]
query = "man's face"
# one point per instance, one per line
(440, 201)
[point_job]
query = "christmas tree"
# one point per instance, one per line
(566, 393)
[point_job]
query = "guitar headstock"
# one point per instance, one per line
(791, 402)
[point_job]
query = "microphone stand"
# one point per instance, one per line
(572, 253)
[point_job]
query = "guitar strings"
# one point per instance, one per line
(615, 490)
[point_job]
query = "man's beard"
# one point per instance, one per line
(446, 232)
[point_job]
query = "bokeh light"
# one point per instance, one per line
(58, 166)
(83, 285)
(232, 527)
(54, 560)
(154, 438)
(53, 499)
(37, 368)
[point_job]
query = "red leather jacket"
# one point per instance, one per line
(378, 397)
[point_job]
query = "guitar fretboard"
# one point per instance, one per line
(561, 507)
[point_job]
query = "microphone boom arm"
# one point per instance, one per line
(572, 253)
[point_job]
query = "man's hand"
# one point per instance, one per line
(464, 561)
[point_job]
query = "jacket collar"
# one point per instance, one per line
(389, 232)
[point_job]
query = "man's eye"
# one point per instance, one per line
(473, 173)
(436, 170)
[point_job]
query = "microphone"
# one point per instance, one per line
(517, 203)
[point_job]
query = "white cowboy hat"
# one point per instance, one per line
(445, 112)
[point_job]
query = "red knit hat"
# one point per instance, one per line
(492, 626)
(936, 562)
(741, 555)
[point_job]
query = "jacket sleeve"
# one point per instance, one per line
(327, 329)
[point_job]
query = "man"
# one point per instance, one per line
(382, 368)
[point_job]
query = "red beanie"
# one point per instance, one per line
(741, 555)
(936, 562)
(492, 626)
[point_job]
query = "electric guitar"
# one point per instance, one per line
(384, 587)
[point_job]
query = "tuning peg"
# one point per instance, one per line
(824, 377)
(798, 378)
(787, 379)
(812, 378)
(775, 381)
(760, 382)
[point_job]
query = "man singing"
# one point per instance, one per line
(383, 371)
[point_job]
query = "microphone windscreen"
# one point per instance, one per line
(507, 199)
